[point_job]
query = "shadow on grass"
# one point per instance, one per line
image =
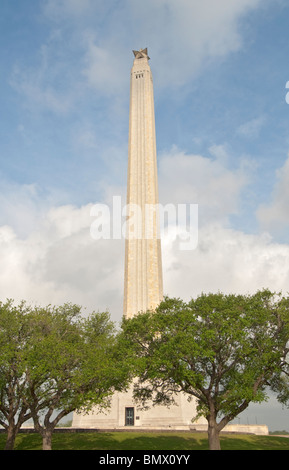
(130, 441)
(146, 441)
(250, 442)
(112, 441)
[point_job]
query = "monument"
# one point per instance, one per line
(143, 287)
(143, 283)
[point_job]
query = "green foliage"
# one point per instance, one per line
(14, 334)
(70, 356)
(222, 349)
(54, 361)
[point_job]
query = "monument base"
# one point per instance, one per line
(125, 413)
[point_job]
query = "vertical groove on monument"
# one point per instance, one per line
(143, 287)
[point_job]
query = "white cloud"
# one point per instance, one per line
(104, 70)
(274, 216)
(208, 182)
(58, 260)
(225, 259)
(228, 261)
(90, 43)
(37, 86)
(58, 10)
(252, 128)
(184, 35)
(21, 206)
(181, 35)
(86, 138)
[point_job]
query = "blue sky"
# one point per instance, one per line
(65, 91)
(220, 70)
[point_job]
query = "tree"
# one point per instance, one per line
(14, 333)
(280, 382)
(72, 365)
(53, 361)
(221, 349)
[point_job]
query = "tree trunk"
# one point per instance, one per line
(213, 435)
(47, 439)
(10, 441)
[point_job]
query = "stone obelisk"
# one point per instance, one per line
(143, 288)
(143, 285)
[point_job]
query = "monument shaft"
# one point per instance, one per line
(143, 287)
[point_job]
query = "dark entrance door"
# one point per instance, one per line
(129, 416)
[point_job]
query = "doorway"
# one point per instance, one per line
(129, 416)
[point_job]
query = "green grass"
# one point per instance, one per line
(147, 441)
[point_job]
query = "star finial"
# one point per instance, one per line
(141, 54)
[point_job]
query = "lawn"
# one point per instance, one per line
(147, 441)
